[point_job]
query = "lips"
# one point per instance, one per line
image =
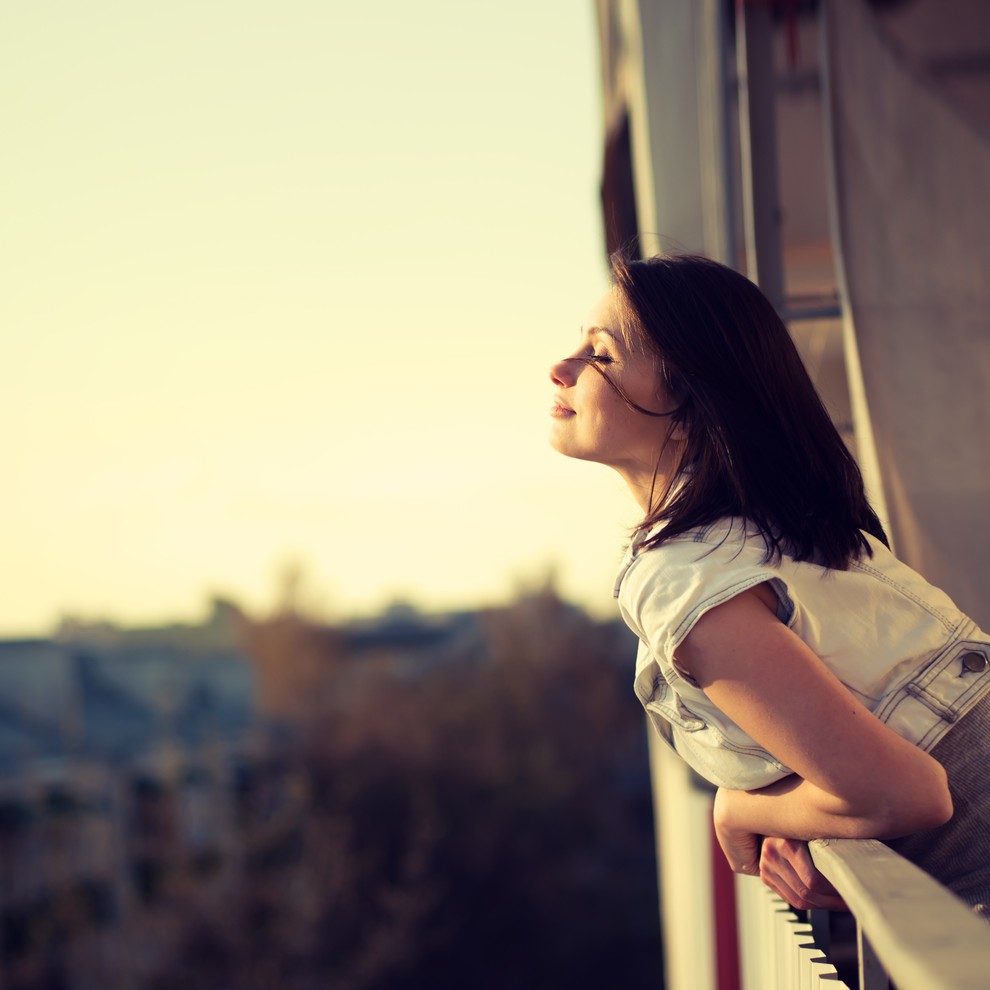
(559, 411)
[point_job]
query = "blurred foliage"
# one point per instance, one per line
(478, 816)
(423, 802)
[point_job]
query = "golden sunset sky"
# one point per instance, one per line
(282, 282)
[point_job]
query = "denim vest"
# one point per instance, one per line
(896, 642)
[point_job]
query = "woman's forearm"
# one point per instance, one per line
(797, 809)
(794, 808)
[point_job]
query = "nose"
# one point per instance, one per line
(562, 374)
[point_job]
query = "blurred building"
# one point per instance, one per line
(112, 694)
(118, 750)
(155, 806)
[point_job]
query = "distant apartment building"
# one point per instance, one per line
(145, 781)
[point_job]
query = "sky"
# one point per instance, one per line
(281, 285)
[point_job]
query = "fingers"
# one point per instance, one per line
(787, 868)
(742, 850)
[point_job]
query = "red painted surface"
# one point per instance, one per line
(726, 921)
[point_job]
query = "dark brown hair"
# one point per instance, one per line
(760, 444)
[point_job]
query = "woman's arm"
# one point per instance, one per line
(854, 777)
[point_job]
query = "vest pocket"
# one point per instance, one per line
(953, 681)
(676, 714)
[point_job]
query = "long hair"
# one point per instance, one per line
(759, 443)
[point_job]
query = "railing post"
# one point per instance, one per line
(872, 975)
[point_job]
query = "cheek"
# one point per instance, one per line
(620, 428)
(647, 389)
(610, 414)
(636, 433)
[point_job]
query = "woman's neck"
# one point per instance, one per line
(652, 484)
(651, 488)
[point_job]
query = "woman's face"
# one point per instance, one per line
(588, 419)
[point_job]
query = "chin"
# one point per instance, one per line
(569, 451)
(560, 445)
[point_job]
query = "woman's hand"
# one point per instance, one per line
(787, 868)
(740, 845)
(784, 865)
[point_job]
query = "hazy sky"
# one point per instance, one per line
(281, 282)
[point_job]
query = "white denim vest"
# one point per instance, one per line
(896, 642)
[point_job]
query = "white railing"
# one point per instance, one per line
(776, 948)
(922, 935)
(911, 931)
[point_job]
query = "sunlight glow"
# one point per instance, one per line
(283, 282)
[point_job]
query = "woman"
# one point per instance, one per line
(818, 682)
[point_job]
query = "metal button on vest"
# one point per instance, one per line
(974, 662)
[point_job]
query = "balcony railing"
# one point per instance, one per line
(910, 931)
(725, 933)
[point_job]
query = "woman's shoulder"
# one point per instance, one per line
(677, 580)
(695, 565)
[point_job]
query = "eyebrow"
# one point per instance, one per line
(605, 330)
